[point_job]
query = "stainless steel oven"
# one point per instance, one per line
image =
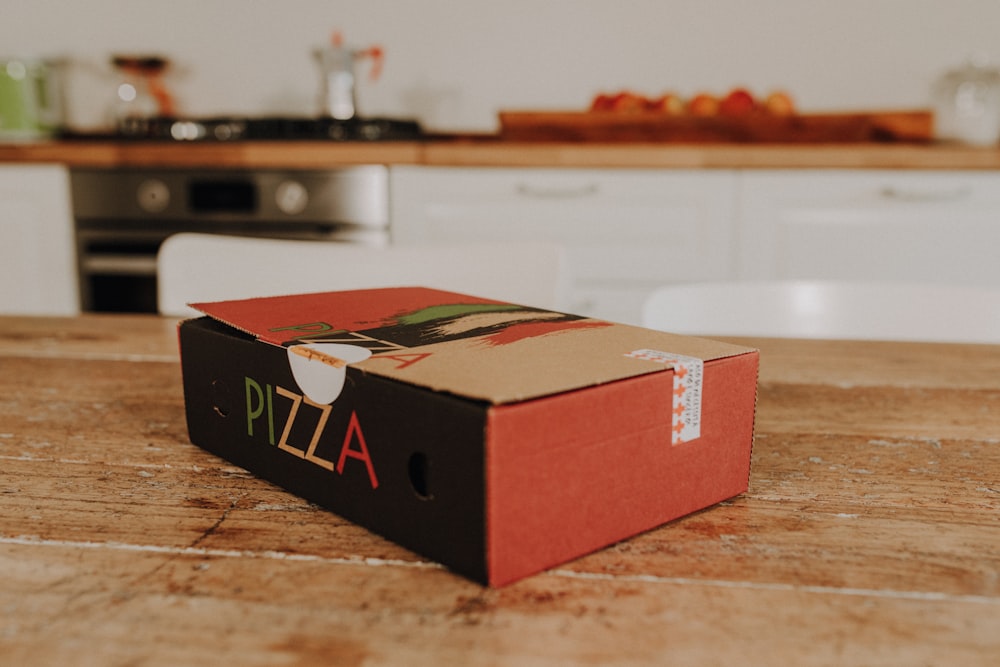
(123, 215)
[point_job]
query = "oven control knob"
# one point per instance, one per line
(153, 195)
(291, 197)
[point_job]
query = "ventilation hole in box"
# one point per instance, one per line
(221, 400)
(418, 468)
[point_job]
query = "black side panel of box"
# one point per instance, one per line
(424, 488)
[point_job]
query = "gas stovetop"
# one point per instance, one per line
(233, 128)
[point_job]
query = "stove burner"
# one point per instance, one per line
(277, 128)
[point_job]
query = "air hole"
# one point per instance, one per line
(418, 468)
(221, 400)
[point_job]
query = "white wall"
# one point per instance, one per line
(455, 63)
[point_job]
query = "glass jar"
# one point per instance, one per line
(967, 105)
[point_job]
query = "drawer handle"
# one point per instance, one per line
(917, 194)
(541, 192)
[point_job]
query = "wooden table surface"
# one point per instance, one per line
(870, 534)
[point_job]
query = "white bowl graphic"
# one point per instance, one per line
(320, 368)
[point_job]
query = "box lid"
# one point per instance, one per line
(465, 345)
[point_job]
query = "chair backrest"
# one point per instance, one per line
(823, 309)
(207, 267)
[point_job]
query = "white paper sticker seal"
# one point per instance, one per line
(689, 372)
(320, 368)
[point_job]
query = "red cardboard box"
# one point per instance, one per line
(497, 439)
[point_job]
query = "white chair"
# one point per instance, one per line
(205, 267)
(824, 309)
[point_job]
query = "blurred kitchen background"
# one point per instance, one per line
(84, 214)
(453, 65)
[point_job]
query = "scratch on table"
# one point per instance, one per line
(206, 552)
(925, 596)
(215, 526)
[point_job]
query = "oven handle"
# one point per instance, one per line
(107, 261)
(119, 265)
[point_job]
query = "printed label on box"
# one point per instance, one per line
(686, 410)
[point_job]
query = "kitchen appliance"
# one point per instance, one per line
(337, 68)
(277, 128)
(31, 102)
(123, 215)
(141, 93)
(967, 104)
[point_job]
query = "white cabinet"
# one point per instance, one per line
(625, 231)
(38, 273)
(920, 226)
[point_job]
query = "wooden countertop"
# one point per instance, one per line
(248, 154)
(484, 151)
(868, 535)
(709, 156)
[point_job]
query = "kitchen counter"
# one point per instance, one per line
(486, 151)
(245, 154)
(868, 534)
(708, 156)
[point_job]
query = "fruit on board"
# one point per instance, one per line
(628, 102)
(779, 103)
(703, 104)
(623, 101)
(601, 102)
(737, 102)
(668, 103)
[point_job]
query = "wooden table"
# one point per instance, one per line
(870, 534)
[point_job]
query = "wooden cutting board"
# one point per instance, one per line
(609, 126)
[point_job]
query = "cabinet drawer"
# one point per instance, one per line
(616, 225)
(625, 231)
(871, 225)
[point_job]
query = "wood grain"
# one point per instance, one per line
(753, 127)
(218, 155)
(489, 151)
(868, 535)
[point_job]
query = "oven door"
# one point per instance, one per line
(122, 217)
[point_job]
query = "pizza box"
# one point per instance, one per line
(499, 440)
